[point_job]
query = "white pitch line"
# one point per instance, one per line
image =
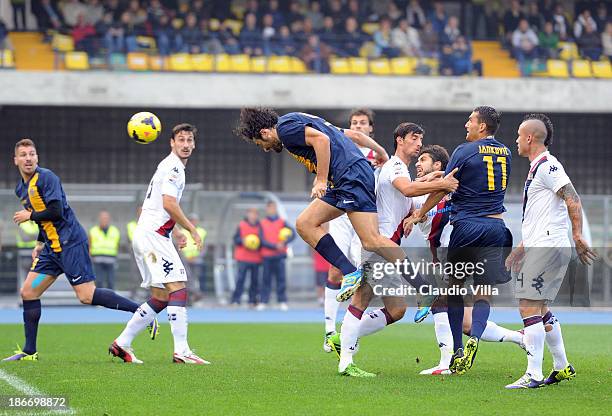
(28, 390)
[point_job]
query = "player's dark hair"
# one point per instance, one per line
(252, 120)
(437, 154)
(547, 123)
(24, 143)
(363, 112)
(406, 128)
(490, 117)
(184, 127)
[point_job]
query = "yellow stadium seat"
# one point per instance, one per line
(557, 68)
(62, 43)
(7, 60)
(368, 49)
(358, 66)
(403, 65)
(281, 64)
(137, 61)
(240, 63)
(146, 42)
(602, 69)
(370, 27)
(203, 62)
(223, 63)
(569, 51)
(380, 66)
(177, 23)
(234, 25)
(157, 63)
(339, 66)
(76, 61)
(298, 66)
(180, 62)
(258, 64)
(581, 69)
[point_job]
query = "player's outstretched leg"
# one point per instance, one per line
(348, 344)
(562, 369)
(31, 316)
(496, 333)
(177, 315)
(534, 345)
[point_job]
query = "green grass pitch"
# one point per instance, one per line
(263, 369)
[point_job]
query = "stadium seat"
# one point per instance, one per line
(339, 66)
(157, 63)
(602, 69)
(298, 66)
(76, 61)
(358, 66)
(62, 43)
(7, 59)
(281, 64)
(258, 64)
(380, 66)
(431, 63)
(403, 65)
(118, 62)
(581, 69)
(557, 68)
(137, 61)
(223, 63)
(146, 42)
(368, 49)
(180, 62)
(569, 51)
(203, 62)
(370, 27)
(234, 25)
(240, 63)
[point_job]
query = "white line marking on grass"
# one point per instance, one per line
(23, 387)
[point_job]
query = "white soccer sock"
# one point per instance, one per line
(444, 336)
(372, 322)
(331, 309)
(348, 338)
(534, 344)
(177, 316)
(139, 321)
(496, 333)
(554, 341)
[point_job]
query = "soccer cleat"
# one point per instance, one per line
(455, 359)
(125, 353)
(352, 281)
(556, 376)
(328, 335)
(526, 382)
(424, 303)
(188, 357)
(353, 371)
(465, 363)
(153, 329)
(19, 355)
(436, 371)
(333, 342)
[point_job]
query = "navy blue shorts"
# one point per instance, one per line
(354, 190)
(484, 241)
(73, 261)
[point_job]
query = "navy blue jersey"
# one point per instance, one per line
(484, 168)
(42, 188)
(343, 151)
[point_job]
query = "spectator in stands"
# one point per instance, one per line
(560, 22)
(202, 10)
(451, 31)
(295, 13)
(512, 17)
(164, 35)
(524, 44)
(252, 6)
(601, 17)
(382, 40)
(72, 9)
(83, 35)
(334, 10)
(94, 11)
(606, 41)
(415, 14)
(589, 43)
(113, 33)
(284, 43)
(19, 10)
(351, 40)
(429, 41)
(356, 10)
(315, 55)
(462, 57)
(228, 40)
(549, 42)
(406, 39)
(445, 65)
(304, 30)
(190, 39)
(155, 11)
(394, 13)
(583, 20)
(328, 34)
(210, 40)
(130, 32)
(314, 15)
(47, 16)
(115, 8)
(278, 19)
(139, 15)
(534, 17)
(438, 17)
(267, 33)
(250, 37)
(378, 8)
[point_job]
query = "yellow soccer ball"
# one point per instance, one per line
(144, 127)
(284, 234)
(251, 241)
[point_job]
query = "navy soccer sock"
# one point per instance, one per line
(109, 299)
(455, 320)
(480, 315)
(31, 316)
(327, 248)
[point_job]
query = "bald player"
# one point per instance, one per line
(541, 259)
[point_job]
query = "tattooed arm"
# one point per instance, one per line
(574, 209)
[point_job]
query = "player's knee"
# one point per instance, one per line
(527, 311)
(27, 293)
(301, 225)
(85, 298)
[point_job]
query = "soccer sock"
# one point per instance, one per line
(496, 333)
(327, 248)
(331, 306)
(31, 316)
(349, 336)
(374, 321)
(139, 321)
(444, 335)
(177, 315)
(109, 299)
(480, 315)
(554, 340)
(534, 344)
(455, 320)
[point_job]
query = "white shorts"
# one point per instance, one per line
(157, 259)
(346, 238)
(542, 273)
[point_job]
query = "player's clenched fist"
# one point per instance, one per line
(318, 189)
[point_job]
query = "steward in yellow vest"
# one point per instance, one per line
(103, 247)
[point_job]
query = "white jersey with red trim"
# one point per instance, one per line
(392, 205)
(169, 179)
(436, 229)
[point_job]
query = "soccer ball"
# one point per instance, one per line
(284, 234)
(251, 242)
(144, 127)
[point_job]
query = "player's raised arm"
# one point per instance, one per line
(366, 141)
(416, 188)
(574, 210)
(320, 143)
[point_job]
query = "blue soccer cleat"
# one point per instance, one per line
(352, 281)
(424, 303)
(526, 382)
